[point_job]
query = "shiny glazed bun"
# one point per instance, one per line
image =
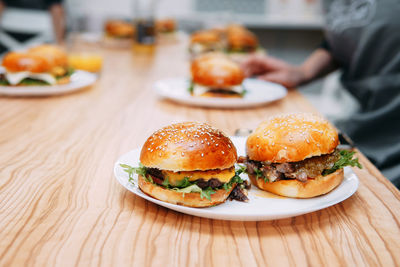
(54, 54)
(291, 137)
(294, 188)
(16, 62)
(216, 70)
(188, 199)
(241, 39)
(165, 25)
(119, 28)
(188, 146)
(205, 37)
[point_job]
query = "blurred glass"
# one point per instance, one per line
(91, 62)
(143, 18)
(85, 41)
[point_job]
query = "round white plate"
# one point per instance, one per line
(258, 93)
(79, 80)
(261, 205)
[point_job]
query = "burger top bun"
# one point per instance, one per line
(208, 36)
(216, 70)
(291, 137)
(16, 62)
(188, 146)
(55, 54)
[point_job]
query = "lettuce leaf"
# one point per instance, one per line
(141, 170)
(191, 87)
(346, 159)
(235, 179)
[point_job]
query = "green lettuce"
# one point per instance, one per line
(141, 170)
(346, 159)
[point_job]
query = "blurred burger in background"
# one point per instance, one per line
(57, 58)
(167, 25)
(215, 75)
(240, 39)
(205, 41)
(235, 40)
(119, 29)
(41, 65)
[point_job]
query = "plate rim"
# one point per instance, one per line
(218, 102)
(49, 90)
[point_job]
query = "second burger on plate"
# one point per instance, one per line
(296, 155)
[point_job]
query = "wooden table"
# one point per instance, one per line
(60, 204)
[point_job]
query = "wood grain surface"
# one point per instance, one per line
(60, 204)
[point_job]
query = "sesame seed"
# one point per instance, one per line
(222, 152)
(202, 154)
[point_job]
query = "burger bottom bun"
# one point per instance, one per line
(64, 80)
(188, 199)
(296, 189)
(221, 94)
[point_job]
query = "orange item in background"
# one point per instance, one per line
(86, 61)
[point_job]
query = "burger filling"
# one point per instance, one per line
(31, 78)
(230, 91)
(204, 182)
(309, 168)
(200, 48)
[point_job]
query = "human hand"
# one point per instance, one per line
(274, 70)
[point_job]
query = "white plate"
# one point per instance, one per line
(79, 80)
(258, 208)
(258, 93)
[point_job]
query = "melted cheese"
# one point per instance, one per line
(223, 175)
(199, 90)
(15, 78)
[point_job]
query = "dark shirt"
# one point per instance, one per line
(31, 4)
(364, 38)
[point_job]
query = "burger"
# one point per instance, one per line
(296, 155)
(42, 65)
(119, 29)
(241, 40)
(58, 60)
(165, 25)
(190, 164)
(215, 75)
(205, 41)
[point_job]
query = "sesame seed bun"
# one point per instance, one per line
(291, 137)
(296, 189)
(186, 199)
(216, 70)
(16, 62)
(188, 146)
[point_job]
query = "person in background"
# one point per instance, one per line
(54, 6)
(362, 38)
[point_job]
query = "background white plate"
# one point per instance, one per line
(79, 80)
(258, 93)
(258, 208)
